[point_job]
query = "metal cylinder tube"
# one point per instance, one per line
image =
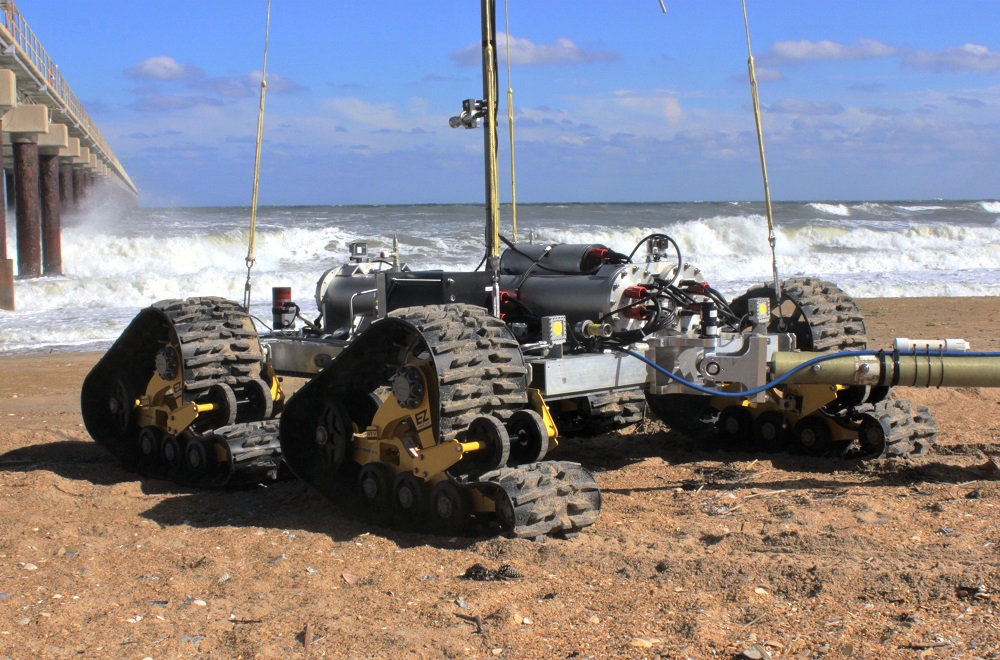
(552, 259)
(907, 370)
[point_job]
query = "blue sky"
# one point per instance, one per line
(615, 101)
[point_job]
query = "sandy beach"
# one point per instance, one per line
(696, 554)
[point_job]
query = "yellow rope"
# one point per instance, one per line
(763, 163)
(510, 124)
(256, 164)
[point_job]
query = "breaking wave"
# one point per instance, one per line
(113, 269)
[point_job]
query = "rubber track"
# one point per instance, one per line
(255, 451)
(550, 498)
(609, 411)
(479, 364)
(834, 322)
(480, 371)
(912, 428)
(218, 344)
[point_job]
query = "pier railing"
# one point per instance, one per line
(53, 90)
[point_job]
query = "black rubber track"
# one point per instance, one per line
(479, 371)
(599, 413)
(218, 345)
(550, 498)
(909, 428)
(825, 318)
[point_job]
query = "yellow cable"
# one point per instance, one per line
(256, 164)
(510, 124)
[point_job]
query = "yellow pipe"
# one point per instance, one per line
(470, 446)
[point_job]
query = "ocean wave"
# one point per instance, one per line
(918, 209)
(115, 269)
(831, 209)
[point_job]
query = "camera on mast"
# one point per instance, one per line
(472, 113)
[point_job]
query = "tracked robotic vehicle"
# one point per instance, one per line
(434, 398)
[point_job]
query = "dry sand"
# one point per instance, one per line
(696, 554)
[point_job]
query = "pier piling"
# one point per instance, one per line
(66, 186)
(51, 221)
(27, 208)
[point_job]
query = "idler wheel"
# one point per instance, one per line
(735, 428)
(121, 405)
(408, 497)
(529, 437)
(374, 483)
(812, 437)
(196, 457)
(258, 403)
(449, 507)
(333, 436)
(170, 449)
(224, 400)
(506, 517)
(494, 451)
(872, 435)
(150, 441)
(771, 431)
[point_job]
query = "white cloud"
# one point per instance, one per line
(798, 107)
(660, 107)
(526, 52)
(970, 57)
(364, 113)
(163, 67)
(248, 85)
(790, 52)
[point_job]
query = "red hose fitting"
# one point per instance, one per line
(635, 292)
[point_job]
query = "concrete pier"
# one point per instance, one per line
(66, 185)
(50, 147)
(24, 123)
(28, 210)
(57, 156)
(51, 219)
(6, 265)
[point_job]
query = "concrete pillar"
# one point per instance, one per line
(28, 209)
(25, 123)
(7, 284)
(51, 222)
(68, 156)
(81, 165)
(50, 145)
(3, 210)
(8, 176)
(66, 186)
(6, 265)
(77, 186)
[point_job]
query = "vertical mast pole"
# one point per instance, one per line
(490, 93)
(763, 164)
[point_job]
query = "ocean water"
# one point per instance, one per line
(116, 262)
